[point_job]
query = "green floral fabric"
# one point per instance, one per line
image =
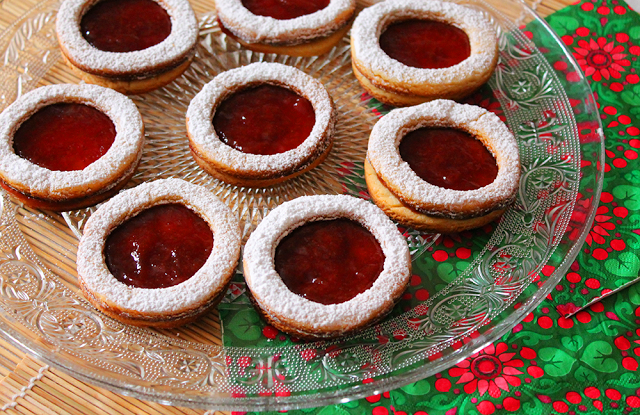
(550, 362)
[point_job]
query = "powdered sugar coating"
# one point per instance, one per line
(371, 22)
(205, 141)
(266, 29)
(170, 52)
(384, 156)
(122, 156)
(190, 294)
(271, 293)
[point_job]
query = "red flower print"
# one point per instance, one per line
(494, 369)
(601, 226)
(600, 59)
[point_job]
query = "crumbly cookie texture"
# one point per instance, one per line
(398, 84)
(119, 161)
(426, 198)
(308, 319)
(141, 64)
(212, 153)
(163, 306)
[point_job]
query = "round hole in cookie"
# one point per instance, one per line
(448, 157)
(428, 44)
(64, 136)
(329, 261)
(161, 246)
(125, 25)
(264, 119)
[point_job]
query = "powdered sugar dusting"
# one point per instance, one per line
(192, 293)
(172, 50)
(269, 289)
(265, 29)
(370, 23)
(123, 154)
(385, 158)
(202, 109)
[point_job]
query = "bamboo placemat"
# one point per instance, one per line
(27, 385)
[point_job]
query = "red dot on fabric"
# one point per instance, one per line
(634, 131)
(616, 87)
(583, 317)
(573, 77)
(440, 255)
(528, 353)
(587, 7)
(630, 363)
(380, 410)
(620, 163)
(573, 397)
(560, 66)
(463, 253)
(630, 154)
(560, 406)
(606, 197)
(603, 10)
(624, 119)
(416, 280)
(622, 343)
(565, 323)
(633, 401)
(597, 307)
(486, 408)
(632, 78)
(373, 399)
(609, 110)
(620, 10)
(511, 404)
(574, 277)
(618, 245)
(568, 40)
(600, 254)
(270, 332)
(634, 50)
(613, 394)
(422, 295)
(528, 34)
(443, 385)
(545, 322)
(592, 392)
(622, 37)
(592, 283)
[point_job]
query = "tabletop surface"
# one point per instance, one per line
(29, 386)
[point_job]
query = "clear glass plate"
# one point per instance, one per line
(450, 311)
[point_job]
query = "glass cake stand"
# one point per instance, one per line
(467, 290)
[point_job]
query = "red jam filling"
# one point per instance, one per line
(425, 44)
(266, 119)
(284, 9)
(449, 158)
(329, 261)
(125, 25)
(160, 247)
(64, 137)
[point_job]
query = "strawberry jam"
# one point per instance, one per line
(64, 137)
(284, 9)
(160, 247)
(125, 25)
(329, 261)
(449, 158)
(425, 43)
(266, 119)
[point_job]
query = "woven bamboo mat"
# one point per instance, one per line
(27, 385)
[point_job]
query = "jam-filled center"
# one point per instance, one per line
(125, 25)
(329, 261)
(266, 119)
(284, 9)
(160, 247)
(449, 158)
(64, 136)
(427, 44)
